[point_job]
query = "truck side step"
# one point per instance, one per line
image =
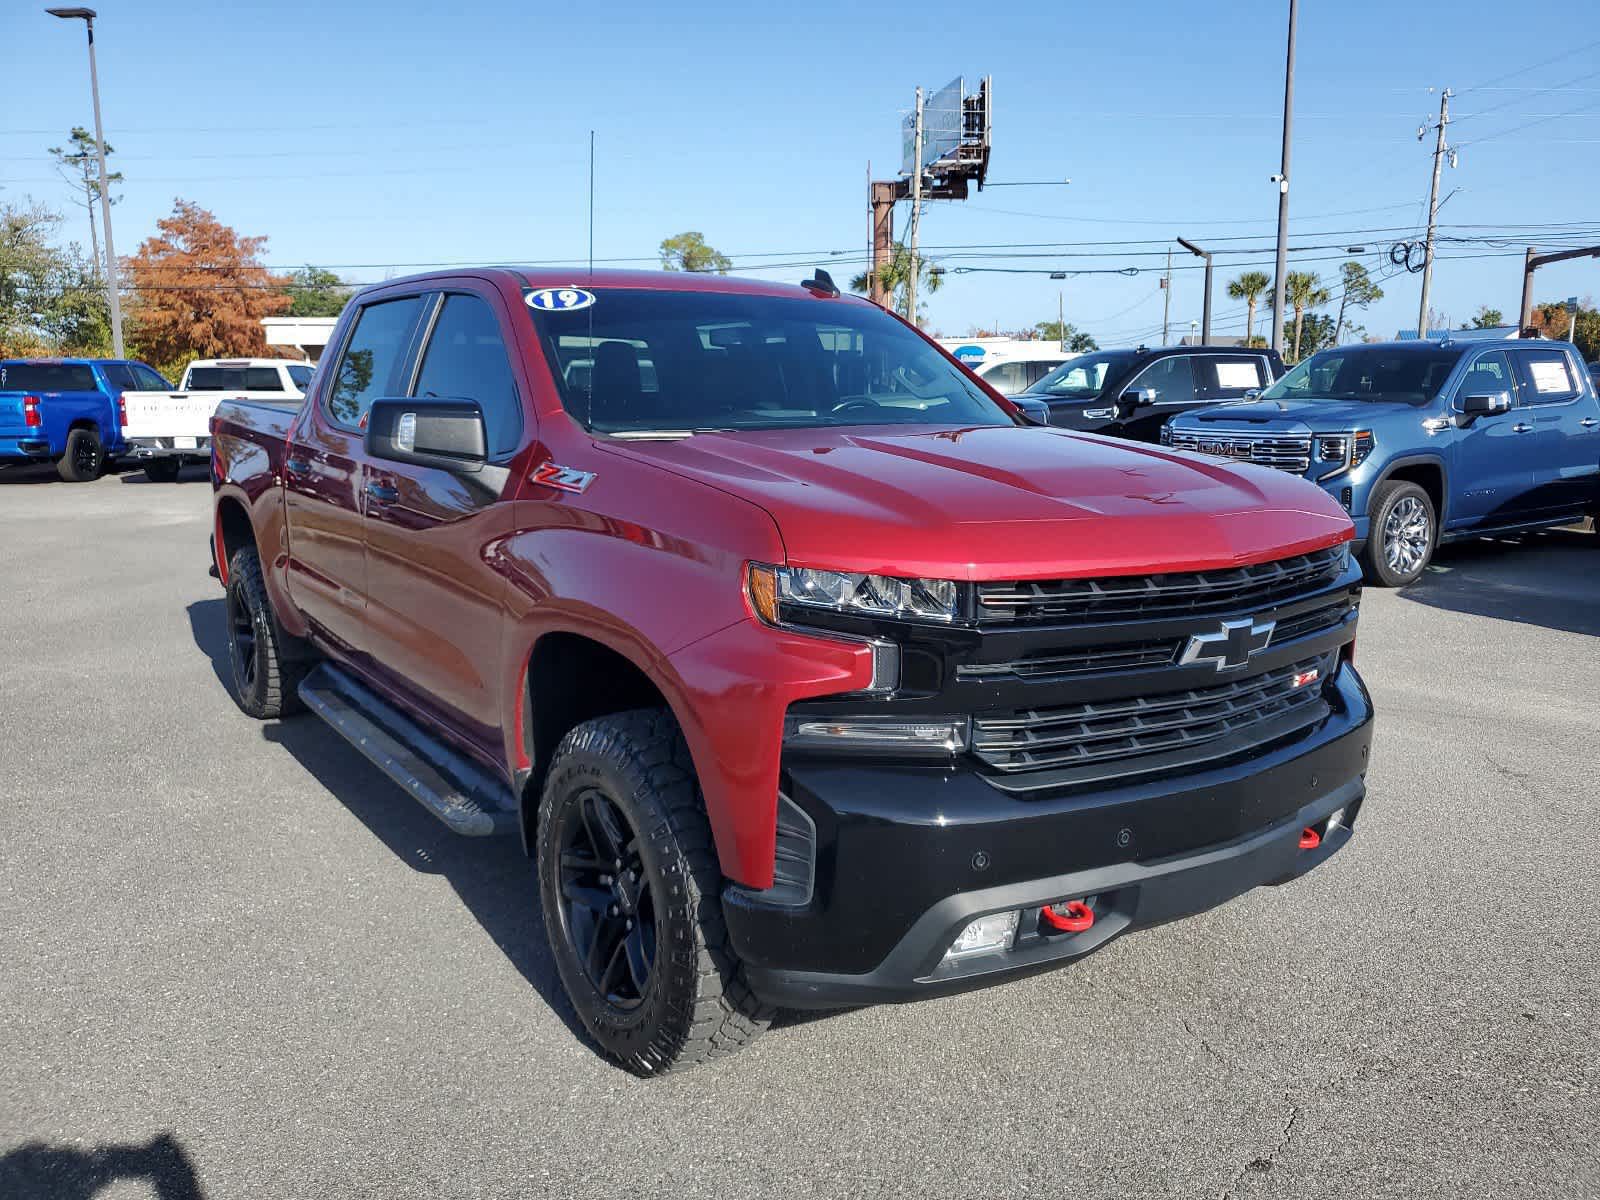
(448, 784)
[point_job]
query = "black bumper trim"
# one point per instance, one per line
(1139, 895)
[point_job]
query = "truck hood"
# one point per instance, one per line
(1268, 416)
(1003, 503)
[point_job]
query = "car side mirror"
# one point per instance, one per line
(448, 434)
(1033, 412)
(1136, 398)
(1252, 393)
(1485, 405)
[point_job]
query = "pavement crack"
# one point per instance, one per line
(1188, 1027)
(1263, 1164)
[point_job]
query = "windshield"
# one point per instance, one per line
(1382, 374)
(1081, 378)
(642, 362)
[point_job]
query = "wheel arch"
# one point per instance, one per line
(1428, 472)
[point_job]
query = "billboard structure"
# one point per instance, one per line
(944, 143)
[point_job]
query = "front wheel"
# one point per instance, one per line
(631, 893)
(1401, 538)
(85, 457)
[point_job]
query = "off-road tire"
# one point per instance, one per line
(696, 1004)
(84, 459)
(162, 470)
(1375, 559)
(267, 671)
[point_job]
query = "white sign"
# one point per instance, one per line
(1238, 375)
(1550, 375)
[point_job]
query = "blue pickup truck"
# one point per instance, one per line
(1423, 441)
(68, 410)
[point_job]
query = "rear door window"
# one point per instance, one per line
(370, 363)
(149, 381)
(1230, 376)
(1547, 376)
(47, 377)
(120, 376)
(466, 359)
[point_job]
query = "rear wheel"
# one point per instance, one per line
(162, 470)
(84, 459)
(631, 893)
(266, 672)
(1401, 538)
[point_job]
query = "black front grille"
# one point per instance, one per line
(1088, 660)
(1074, 735)
(1127, 597)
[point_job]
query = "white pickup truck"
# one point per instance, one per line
(166, 429)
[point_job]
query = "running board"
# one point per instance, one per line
(444, 781)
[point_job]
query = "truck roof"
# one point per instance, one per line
(1419, 344)
(656, 281)
(247, 362)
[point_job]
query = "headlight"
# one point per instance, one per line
(771, 588)
(1166, 435)
(1350, 448)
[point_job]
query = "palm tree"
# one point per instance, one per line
(1303, 289)
(1249, 287)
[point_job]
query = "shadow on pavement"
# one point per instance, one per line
(39, 1171)
(28, 472)
(492, 876)
(1550, 578)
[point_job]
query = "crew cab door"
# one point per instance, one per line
(435, 598)
(323, 478)
(1491, 474)
(1564, 450)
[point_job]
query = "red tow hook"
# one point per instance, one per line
(1310, 839)
(1074, 916)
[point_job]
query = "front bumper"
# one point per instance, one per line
(905, 858)
(145, 448)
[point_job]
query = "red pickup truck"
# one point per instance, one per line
(808, 672)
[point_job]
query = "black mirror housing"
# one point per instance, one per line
(1485, 405)
(448, 434)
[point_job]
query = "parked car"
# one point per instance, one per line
(1133, 393)
(68, 410)
(1423, 442)
(809, 677)
(1012, 375)
(167, 428)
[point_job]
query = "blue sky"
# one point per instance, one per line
(360, 135)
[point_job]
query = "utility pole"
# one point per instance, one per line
(87, 16)
(916, 213)
(1061, 317)
(1166, 304)
(1433, 211)
(1282, 180)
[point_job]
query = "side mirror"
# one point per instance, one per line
(448, 434)
(1252, 393)
(1034, 412)
(1136, 398)
(1485, 406)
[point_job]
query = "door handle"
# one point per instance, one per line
(1519, 427)
(382, 492)
(1589, 422)
(296, 466)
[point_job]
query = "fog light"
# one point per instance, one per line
(984, 936)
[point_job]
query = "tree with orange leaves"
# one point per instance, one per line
(200, 291)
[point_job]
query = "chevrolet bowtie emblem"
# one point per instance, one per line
(1231, 646)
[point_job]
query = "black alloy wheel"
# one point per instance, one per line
(607, 908)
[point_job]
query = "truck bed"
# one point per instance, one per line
(187, 414)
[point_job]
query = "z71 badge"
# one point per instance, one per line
(565, 478)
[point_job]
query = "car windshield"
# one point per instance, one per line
(641, 362)
(1081, 378)
(1383, 374)
(46, 377)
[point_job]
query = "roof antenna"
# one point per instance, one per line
(821, 282)
(591, 208)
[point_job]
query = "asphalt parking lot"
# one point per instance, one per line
(236, 961)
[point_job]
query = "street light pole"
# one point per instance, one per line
(87, 15)
(1205, 311)
(1282, 180)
